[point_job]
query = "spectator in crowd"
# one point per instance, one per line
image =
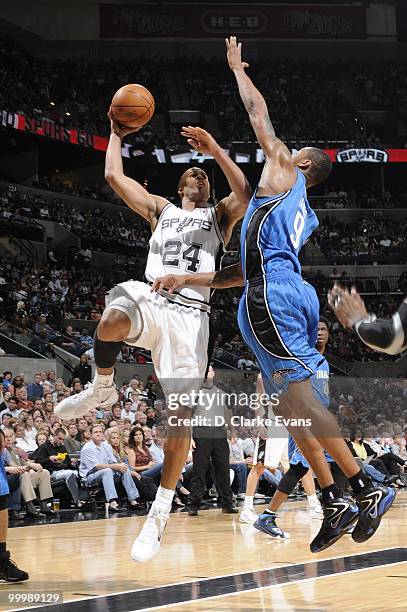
(24, 442)
(32, 478)
(7, 379)
(5, 420)
(16, 385)
(30, 431)
(35, 389)
(54, 457)
(23, 403)
(72, 445)
(12, 408)
(83, 371)
(151, 420)
(99, 464)
(238, 464)
(140, 459)
(127, 412)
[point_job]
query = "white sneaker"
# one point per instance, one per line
(241, 495)
(95, 396)
(147, 543)
(259, 496)
(248, 515)
(316, 512)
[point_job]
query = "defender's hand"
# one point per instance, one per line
(171, 282)
(118, 129)
(234, 54)
(199, 139)
(347, 306)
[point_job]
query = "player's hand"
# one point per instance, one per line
(347, 306)
(118, 129)
(199, 139)
(171, 282)
(234, 54)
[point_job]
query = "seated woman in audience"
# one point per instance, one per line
(29, 428)
(139, 457)
(113, 438)
(16, 385)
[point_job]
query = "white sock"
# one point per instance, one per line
(163, 499)
(103, 380)
(312, 500)
(248, 502)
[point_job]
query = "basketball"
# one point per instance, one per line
(133, 105)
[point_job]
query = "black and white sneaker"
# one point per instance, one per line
(339, 515)
(373, 503)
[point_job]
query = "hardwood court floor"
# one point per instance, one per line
(213, 562)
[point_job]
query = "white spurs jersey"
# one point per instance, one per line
(185, 242)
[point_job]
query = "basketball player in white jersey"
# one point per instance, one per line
(174, 327)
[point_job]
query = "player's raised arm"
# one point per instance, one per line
(255, 104)
(136, 197)
(231, 276)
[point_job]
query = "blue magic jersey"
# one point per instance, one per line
(274, 230)
(279, 311)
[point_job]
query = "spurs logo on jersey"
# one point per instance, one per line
(180, 224)
(185, 242)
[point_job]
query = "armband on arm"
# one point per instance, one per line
(386, 336)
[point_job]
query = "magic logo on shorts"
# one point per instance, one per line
(279, 375)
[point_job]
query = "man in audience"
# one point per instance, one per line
(12, 407)
(127, 412)
(54, 457)
(35, 389)
(7, 379)
(99, 464)
(72, 445)
(156, 447)
(33, 477)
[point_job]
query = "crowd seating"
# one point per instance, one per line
(33, 431)
(56, 91)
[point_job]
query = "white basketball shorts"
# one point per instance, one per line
(176, 335)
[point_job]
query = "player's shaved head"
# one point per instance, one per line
(314, 163)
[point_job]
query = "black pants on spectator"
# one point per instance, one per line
(209, 447)
(391, 463)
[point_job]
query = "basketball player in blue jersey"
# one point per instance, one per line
(279, 313)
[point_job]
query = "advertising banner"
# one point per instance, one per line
(308, 21)
(251, 154)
